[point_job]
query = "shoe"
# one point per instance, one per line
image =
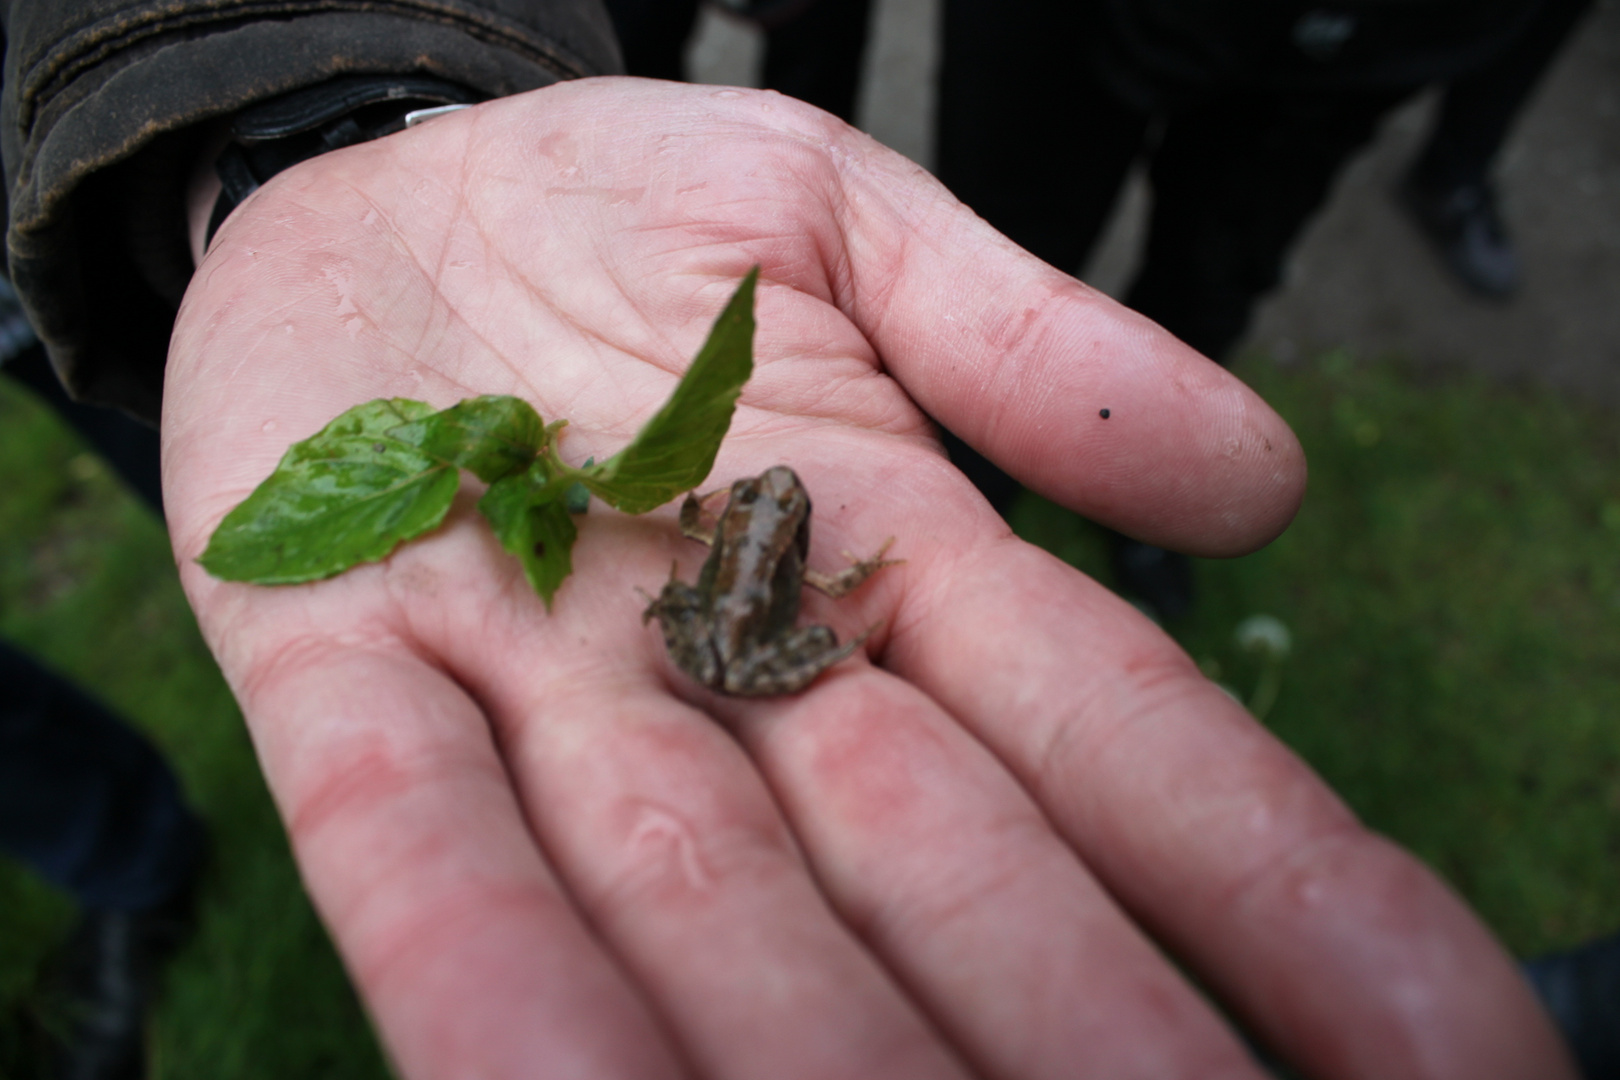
(1161, 580)
(103, 984)
(1463, 226)
(1581, 989)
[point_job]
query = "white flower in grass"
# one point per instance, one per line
(1264, 636)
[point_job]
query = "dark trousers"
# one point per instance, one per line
(85, 800)
(812, 52)
(1478, 109)
(1035, 141)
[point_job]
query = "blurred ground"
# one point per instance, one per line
(1362, 279)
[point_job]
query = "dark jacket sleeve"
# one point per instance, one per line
(107, 103)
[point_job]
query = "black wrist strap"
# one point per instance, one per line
(276, 134)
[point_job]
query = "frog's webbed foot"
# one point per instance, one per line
(788, 665)
(656, 604)
(849, 579)
(700, 514)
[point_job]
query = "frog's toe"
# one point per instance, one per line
(851, 577)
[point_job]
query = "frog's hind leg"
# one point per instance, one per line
(791, 664)
(850, 578)
(700, 514)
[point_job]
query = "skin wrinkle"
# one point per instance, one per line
(1159, 677)
(626, 428)
(433, 277)
(952, 898)
(293, 657)
(916, 612)
(868, 299)
(831, 245)
(1083, 740)
(1008, 384)
(437, 278)
(561, 677)
(373, 776)
(420, 939)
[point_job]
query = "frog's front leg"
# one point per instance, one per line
(788, 664)
(849, 578)
(699, 517)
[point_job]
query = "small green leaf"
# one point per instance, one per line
(349, 494)
(577, 497)
(530, 518)
(676, 449)
(493, 436)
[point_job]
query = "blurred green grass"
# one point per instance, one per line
(1452, 586)
(87, 584)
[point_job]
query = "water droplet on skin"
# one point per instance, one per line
(268, 426)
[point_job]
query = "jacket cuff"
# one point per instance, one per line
(102, 122)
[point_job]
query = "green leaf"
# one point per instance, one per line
(530, 518)
(493, 436)
(674, 452)
(349, 494)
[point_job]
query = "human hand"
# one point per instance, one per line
(545, 852)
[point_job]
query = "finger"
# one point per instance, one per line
(1345, 954)
(673, 847)
(949, 871)
(1084, 401)
(471, 959)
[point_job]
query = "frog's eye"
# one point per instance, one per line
(747, 495)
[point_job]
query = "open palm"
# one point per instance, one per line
(543, 851)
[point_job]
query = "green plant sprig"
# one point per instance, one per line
(386, 471)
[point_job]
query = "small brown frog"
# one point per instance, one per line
(733, 631)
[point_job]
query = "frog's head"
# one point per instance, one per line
(778, 486)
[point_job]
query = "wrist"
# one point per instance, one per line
(274, 135)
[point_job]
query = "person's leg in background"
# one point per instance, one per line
(652, 35)
(1235, 179)
(816, 55)
(813, 49)
(1031, 141)
(1448, 191)
(90, 805)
